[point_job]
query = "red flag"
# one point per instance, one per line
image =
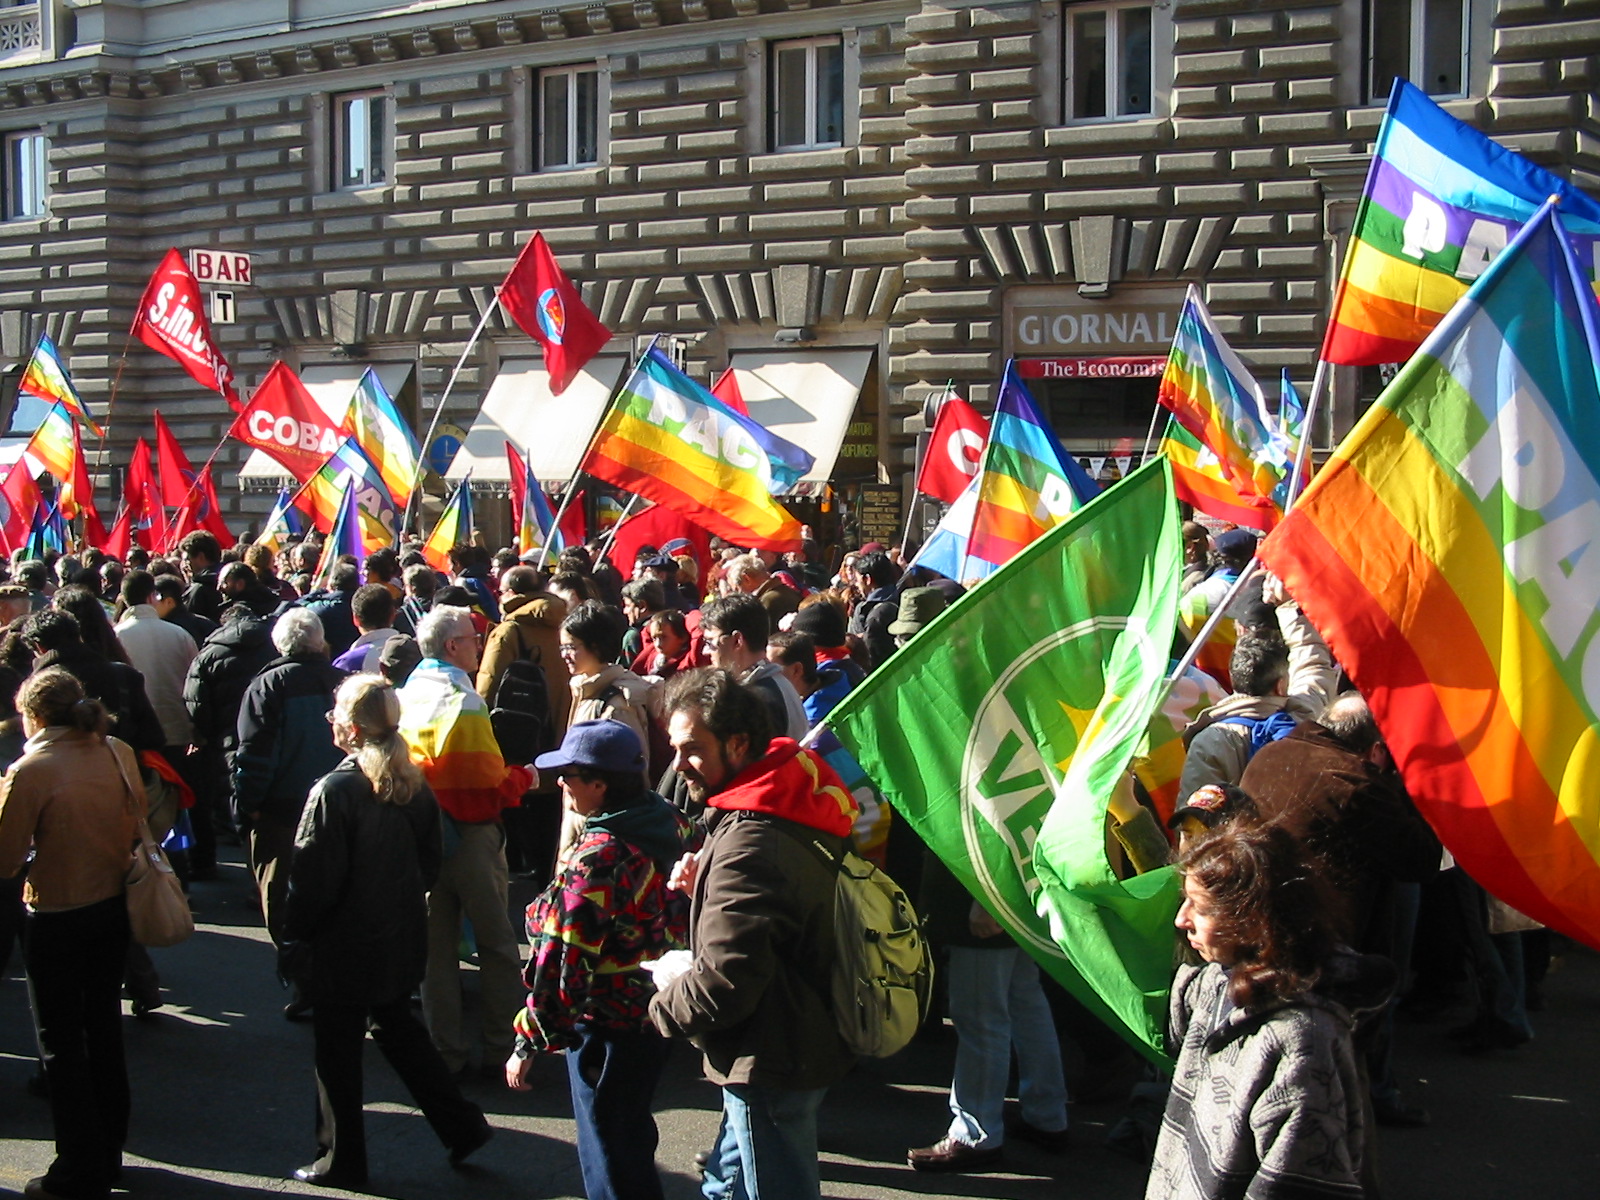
(19, 498)
(540, 298)
(143, 498)
(177, 475)
(954, 451)
(172, 321)
(726, 389)
(116, 543)
(574, 524)
(82, 492)
(519, 486)
(664, 529)
(284, 420)
(201, 512)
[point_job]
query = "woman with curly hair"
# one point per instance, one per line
(1267, 1096)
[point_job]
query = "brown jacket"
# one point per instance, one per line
(762, 930)
(67, 799)
(529, 625)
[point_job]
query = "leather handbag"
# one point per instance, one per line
(158, 911)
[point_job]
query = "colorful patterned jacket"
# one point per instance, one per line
(607, 911)
(446, 724)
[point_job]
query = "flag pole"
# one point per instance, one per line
(572, 484)
(911, 508)
(1210, 627)
(438, 410)
(1150, 437)
(1320, 383)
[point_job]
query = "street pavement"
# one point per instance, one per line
(223, 1103)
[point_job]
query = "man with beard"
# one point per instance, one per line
(761, 932)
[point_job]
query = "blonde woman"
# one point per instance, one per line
(75, 797)
(366, 853)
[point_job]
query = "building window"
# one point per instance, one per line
(569, 117)
(26, 184)
(361, 142)
(1109, 60)
(808, 94)
(1424, 41)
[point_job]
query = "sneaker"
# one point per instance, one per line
(1053, 1141)
(949, 1155)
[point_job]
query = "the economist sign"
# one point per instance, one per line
(284, 419)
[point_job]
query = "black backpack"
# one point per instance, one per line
(519, 709)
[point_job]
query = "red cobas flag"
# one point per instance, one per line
(177, 476)
(142, 497)
(201, 512)
(19, 498)
(283, 419)
(954, 451)
(543, 302)
(172, 321)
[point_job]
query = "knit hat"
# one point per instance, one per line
(823, 622)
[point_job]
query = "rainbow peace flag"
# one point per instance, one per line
(45, 377)
(386, 438)
(52, 449)
(1214, 396)
(345, 538)
(1448, 553)
(454, 527)
(535, 521)
(1199, 482)
(668, 439)
(1441, 201)
(282, 523)
(324, 492)
(1159, 761)
(1027, 484)
(1291, 413)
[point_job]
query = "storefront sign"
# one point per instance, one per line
(1120, 366)
(1045, 321)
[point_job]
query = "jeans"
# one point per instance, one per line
(74, 961)
(472, 884)
(613, 1076)
(340, 1031)
(766, 1146)
(997, 1003)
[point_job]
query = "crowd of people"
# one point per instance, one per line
(389, 749)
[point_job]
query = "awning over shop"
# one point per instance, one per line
(331, 386)
(806, 396)
(520, 409)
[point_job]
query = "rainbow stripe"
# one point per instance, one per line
(1027, 483)
(345, 538)
(1440, 202)
(282, 523)
(1447, 552)
(52, 448)
(1199, 482)
(669, 440)
(1159, 762)
(453, 529)
(324, 492)
(46, 378)
(378, 429)
(1215, 397)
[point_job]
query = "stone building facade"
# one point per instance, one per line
(943, 184)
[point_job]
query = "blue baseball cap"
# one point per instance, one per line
(598, 745)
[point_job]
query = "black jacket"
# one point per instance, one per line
(219, 675)
(116, 685)
(285, 741)
(196, 626)
(871, 620)
(202, 597)
(357, 915)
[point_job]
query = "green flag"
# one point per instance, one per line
(1001, 729)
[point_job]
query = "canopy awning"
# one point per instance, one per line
(806, 396)
(555, 430)
(331, 386)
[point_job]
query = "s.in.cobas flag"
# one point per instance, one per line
(1450, 554)
(1001, 730)
(171, 320)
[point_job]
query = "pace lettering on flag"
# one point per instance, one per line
(1441, 201)
(670, 440)
(172, 320)
(547, 307)
(324, 492)
(1448, 553)
(1001, 730)
(1198, 479)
